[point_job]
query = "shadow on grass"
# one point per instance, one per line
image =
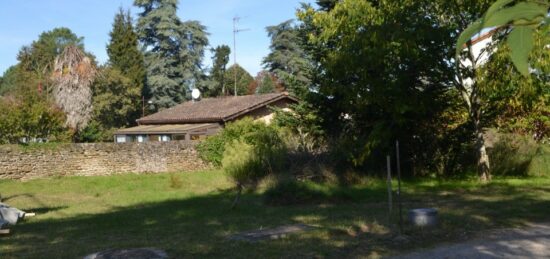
(200, 226)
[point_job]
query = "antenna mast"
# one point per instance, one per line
(235, 31)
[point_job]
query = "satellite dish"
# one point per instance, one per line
(196, 94)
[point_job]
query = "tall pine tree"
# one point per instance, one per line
(217, 74)
(123, 49)
(287, 59)
(173, 51)
(126, 68)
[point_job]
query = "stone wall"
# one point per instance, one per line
(97, 159)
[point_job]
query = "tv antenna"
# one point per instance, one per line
(235, 31)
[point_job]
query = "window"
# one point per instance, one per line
(179, 137)
(140, 138)
(165, 138)
(120, 138)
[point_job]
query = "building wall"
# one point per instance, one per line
(265, 113)
(97, 159)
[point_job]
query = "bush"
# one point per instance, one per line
(249, 161)
(514, 155)
(242, 164)
(254, 155)
(251, 132)
(31, 118)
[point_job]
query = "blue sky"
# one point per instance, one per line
(21, 21)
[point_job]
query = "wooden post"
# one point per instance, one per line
(399, 187)
(390, 203)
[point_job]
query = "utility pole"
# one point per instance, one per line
(235, 31)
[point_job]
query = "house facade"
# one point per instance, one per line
(195, 120)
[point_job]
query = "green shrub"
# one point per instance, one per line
(242, 164)
(30, 117)
(250, 131)
(248, 162)
(515, 155)
(258, 151)
(212, 148)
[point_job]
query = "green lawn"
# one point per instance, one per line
(80, 215)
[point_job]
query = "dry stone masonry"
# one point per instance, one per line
(97, 159)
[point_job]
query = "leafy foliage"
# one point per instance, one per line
(8, 81)
(515, 155)
(266, 85)
(173, 51)
(382, 74)
(39, 57)
(522, 17)
(212, 149)
(36, 61)
(241, 164)
(125, 61)
(218, 72)
(116, 99)
(244, 79)
(304, 126)
(125, 56)
(255, 155)
(515, 103)
(30, 118)
(287, 59)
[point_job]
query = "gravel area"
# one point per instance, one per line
(532, 241)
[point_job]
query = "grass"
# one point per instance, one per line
(188, 215)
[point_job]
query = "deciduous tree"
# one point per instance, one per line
(382, 73)
(114, 99)
(73, 75)
(244, 79)
(266, 85)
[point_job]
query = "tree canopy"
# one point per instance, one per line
(382, 72)
(73, 74)
(123, 49)
(244, 79)
(220, 59)
(173, 51)
(287, 59)
(126, 58)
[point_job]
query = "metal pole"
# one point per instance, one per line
(235, 19)
(389, 188)
(399, 187)
(235, 31)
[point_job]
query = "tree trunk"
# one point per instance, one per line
(483, 165)
(471, 94)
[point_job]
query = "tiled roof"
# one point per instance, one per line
(209, 110)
